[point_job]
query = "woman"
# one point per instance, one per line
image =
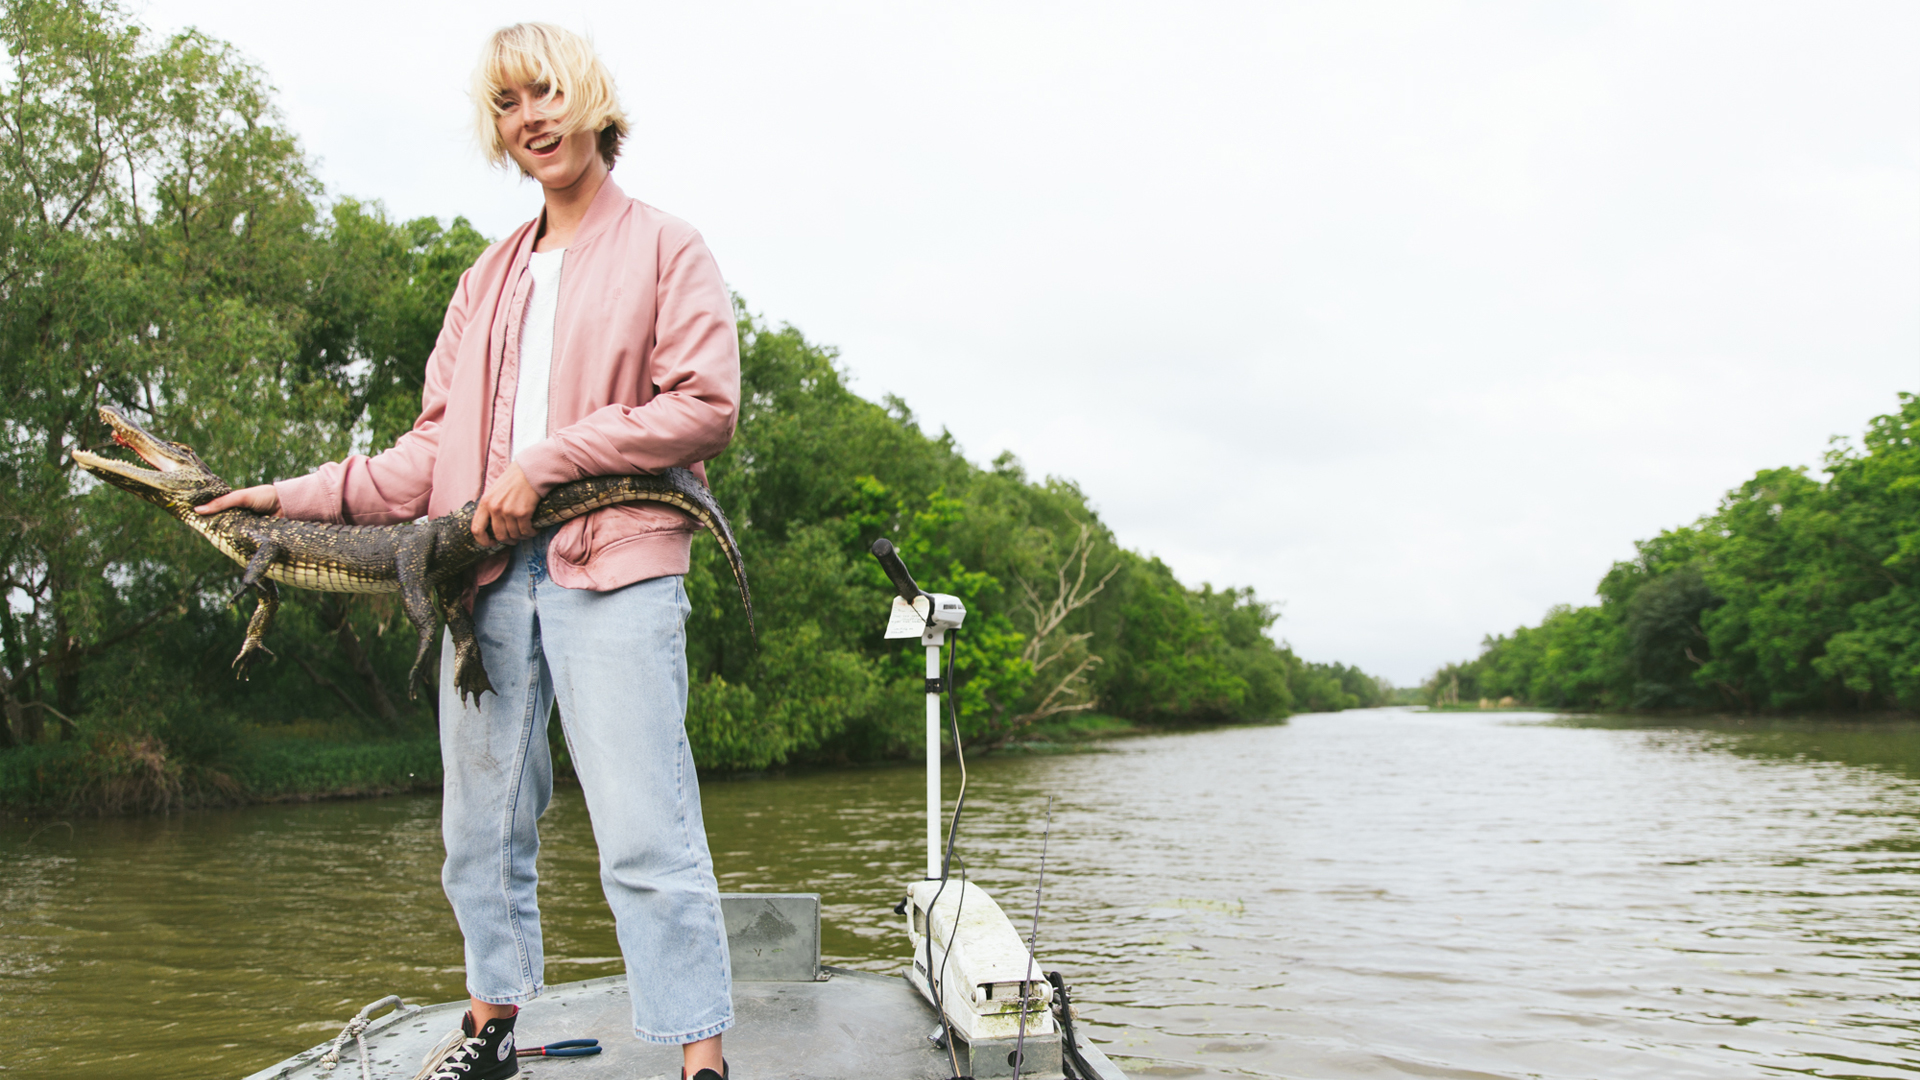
(596, 339)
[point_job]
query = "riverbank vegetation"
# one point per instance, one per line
(166, 248)
(1798, 594)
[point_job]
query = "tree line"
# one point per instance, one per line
(166, 248)
(1797, 594)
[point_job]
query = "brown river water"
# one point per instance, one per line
(1371, 894)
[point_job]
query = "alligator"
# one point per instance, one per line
(430, 563)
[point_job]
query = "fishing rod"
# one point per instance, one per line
(1020, 1047)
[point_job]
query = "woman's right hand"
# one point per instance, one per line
(263, 500)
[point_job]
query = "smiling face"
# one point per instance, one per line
(536, 82)
(529, 122)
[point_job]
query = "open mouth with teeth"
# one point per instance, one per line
(545, 145)
(178, 475)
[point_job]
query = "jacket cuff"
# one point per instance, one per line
(308, 498)
(546, 466)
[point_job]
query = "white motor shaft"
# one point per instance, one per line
(933, 762)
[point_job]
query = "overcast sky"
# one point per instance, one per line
(1411, 316)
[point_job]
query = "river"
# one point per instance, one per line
(1373, 894)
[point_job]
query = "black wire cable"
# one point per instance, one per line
(1070, 1041)
(959, 752)
(946, 956)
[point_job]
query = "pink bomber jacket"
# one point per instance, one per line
(645, 376)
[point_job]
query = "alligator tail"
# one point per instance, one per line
(675, 487)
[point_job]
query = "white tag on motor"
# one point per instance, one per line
(907, 620)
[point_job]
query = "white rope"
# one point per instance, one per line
(356, 1030)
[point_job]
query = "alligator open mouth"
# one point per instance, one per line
(176, 468)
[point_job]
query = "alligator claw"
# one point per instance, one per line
(470, 675)
(250, 654)
(475, 684)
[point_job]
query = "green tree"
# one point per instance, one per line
(1061, 618)
(1795, 594)
(164, 248)
(153, 225)
(1875, 659)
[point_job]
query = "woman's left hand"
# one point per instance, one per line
(505, 513)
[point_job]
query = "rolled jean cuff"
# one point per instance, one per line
(682, 1040)
(520, 998)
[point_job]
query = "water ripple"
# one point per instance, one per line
(1362, 895)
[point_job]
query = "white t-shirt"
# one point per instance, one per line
(536, 350)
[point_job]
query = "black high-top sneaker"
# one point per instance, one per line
(708, 1074)
(467, 1054)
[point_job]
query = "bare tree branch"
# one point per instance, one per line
(107, 642)
(1048, 645)
(328, 684)
(1067, 599)
(335, 615)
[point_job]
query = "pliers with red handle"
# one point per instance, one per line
(569, 1048)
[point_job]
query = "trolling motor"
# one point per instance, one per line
(968, 960)
(927, 616)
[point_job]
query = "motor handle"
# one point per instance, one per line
(889, 559)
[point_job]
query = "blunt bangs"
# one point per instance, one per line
(541, 54)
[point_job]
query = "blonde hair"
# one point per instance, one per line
(541, 54)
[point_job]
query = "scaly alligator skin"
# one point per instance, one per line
(429, 563)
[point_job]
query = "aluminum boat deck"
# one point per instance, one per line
(794, 1020)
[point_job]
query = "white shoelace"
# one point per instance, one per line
(445, 1060)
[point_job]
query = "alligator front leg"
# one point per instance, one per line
(255, 574)
(255, 650)
(469, 672)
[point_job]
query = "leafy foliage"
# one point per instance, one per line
(1794, 595)
(163, 248)
(816, 473)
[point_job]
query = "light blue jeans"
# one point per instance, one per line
(617, 664)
